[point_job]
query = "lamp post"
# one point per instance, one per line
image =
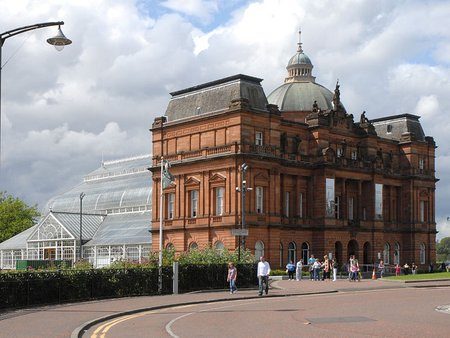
(81, 224)
(243, 190)
(59, 41)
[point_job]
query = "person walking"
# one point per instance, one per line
(231, 278)
(311, 262)
(334, 264)
(290, 269)
(298, 270)
(326, 268)
(263, 272)
(414, 268)
(397, 270)
(316, 269)
(381, 268)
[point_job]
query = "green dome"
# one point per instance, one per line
(300, 96)
(299, 58)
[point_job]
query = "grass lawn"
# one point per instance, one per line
(436, 275)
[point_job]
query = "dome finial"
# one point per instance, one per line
(299, 48)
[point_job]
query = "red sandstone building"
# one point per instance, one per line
(322, 181)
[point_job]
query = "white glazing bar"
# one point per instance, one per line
(140, 254)
(124, 254)
(94, 264)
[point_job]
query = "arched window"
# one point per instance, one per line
(386, 253)
(193, 246)
(281, 254)
(170, 247)
(219, 246)
(422, 253)
(259, 249)
(292, 252)
(397, 253)
(305, 252)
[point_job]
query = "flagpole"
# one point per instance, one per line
(160, 258)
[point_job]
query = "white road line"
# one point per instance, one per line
(169, 324)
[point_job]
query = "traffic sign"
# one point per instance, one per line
(239, 232)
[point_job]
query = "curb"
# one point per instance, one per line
(80, 330)
(416, 280)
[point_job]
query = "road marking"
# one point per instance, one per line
(169, 324)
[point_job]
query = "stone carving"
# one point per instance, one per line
(337, 96)
(363, 119)
(315, 107)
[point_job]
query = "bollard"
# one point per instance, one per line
(175, 278)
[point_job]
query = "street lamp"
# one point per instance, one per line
(81, 224)
(59, 41)
(243, 190)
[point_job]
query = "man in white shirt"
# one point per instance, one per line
(263, 275)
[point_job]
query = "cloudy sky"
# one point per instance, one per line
(63, 111)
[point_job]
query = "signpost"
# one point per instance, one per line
(239, 232)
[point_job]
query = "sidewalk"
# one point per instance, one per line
(63, 320)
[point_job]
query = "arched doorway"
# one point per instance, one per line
(367, 254)
(353, 249)
(338, 252)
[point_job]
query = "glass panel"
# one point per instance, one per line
(378, 201)
(329, 189)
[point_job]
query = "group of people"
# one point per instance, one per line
(406, 269)
(321, 270)
(263, 272)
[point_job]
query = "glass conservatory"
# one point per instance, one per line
(115, 219)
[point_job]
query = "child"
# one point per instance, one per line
(397, 270)
(231, 278)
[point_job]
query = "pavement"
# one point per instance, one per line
(80, 319)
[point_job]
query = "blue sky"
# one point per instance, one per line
(62, 112)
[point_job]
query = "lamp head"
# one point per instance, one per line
(59, 40)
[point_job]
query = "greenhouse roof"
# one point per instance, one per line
(18, 241)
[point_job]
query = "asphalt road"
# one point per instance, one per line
(375, 313)
(292, 309)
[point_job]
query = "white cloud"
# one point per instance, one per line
(203, 9)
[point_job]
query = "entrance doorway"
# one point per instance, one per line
(367, 254)
(50, 254)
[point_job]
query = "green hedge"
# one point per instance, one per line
(26, 288)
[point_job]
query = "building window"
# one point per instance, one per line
(281, 254)
(259, 138)
(292, 252)
(364, 214)
(378, 201)
(170, 205)
(337, 207)
(350, 208)
(340, 152)
(194, 203)
(170, 247)
(389, 129)
(259, 200)
(329, 193)
(397, 253)
(354, 155)
(286, 204)
(300, 205)
(422, 254)
(305, 253)
(259, 250)
(421, 163)
(422, 211)
(193, 246)
(220, 192)
(386, 253)
(219, 246)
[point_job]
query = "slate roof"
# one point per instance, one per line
(216, 96)
(399, 124)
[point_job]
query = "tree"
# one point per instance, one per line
(15, 216)
(443, 247)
